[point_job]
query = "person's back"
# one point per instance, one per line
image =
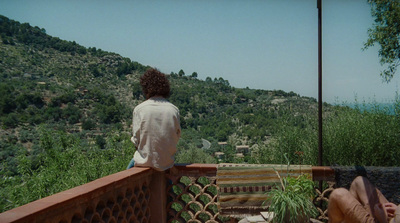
(156, 132)
(156, 127)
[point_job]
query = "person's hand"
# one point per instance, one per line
(380, 213)
(396, 218)
(390, 208)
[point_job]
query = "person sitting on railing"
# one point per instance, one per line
(156, 126)
(362, 203)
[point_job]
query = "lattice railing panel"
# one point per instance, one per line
(192, 182)
(120, 197)
(193, 199)
(321, 200)
(129, 204)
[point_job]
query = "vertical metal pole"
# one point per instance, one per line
(319, 82)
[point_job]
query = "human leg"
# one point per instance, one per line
(365, 192)
(336, 198)
(343, 206)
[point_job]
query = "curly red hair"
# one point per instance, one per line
(154, 83)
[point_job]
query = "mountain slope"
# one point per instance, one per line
(48, 80)
(70, 87)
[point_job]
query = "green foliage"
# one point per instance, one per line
(366, 135)
(293, 201)
(71, 113)
(88, 124)
(10, 120)
(194, 75)
(356, 137)
(110, 110)
(194, 155)
(65, 162)
(136, 91)
(7, 98)
(386, 32)
(27, 34)
(181, 73)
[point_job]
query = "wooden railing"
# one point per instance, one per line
(186, 193)
(126, 196)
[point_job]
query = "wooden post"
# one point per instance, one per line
(158, 197)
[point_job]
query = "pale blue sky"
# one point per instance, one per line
(260, 44)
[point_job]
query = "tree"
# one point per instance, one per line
(123, 69)
(181, 73)
(193, 155)
(194, 74)
(136, 91)
(386, 32)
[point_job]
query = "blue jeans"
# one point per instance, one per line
(131, 164)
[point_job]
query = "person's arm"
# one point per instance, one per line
(135, 130)
(178, 124)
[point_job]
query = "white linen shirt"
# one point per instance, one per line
(156, 132)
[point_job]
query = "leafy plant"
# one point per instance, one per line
(293, 201)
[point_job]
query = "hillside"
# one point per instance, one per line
(45, 80)
(49, 84)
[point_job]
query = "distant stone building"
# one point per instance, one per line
(219, 155)
(239, 155)
(244, 149)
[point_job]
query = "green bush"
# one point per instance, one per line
(356, 137)
(292, 201)
(366, 135)
(65, 162)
